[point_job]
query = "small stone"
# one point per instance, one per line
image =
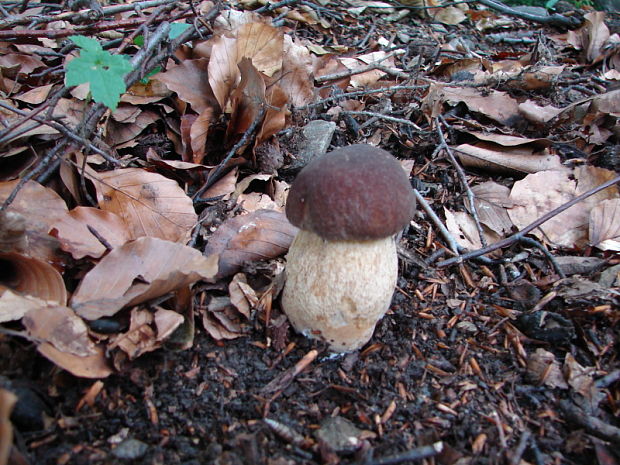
(317, 136)
(340, 435)
(130, 449)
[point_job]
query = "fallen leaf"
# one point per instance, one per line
(32, 277)
(260, 235)
(539, 193)
(491, 201)
(75, 237)
(148, 203)
(138, 271)
(507, 160)
(604, 225)
(543, 368)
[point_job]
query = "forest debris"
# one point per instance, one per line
(539, 193)
(7, 402)
(543, 368)
(256, 236)
(285, 378)
(138, 271)
(604, 225)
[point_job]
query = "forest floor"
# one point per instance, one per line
(511, 358)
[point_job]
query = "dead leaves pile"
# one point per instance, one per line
(117, 254)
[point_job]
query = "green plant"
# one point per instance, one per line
(104, 72)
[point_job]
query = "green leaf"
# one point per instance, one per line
(104, 72)
(176, 29)
(139, 40)
(86, 43)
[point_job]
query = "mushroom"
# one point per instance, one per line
(342, 265)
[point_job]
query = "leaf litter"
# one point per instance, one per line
(159, 214)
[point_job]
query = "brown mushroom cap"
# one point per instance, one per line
(358, 192)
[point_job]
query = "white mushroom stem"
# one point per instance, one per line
(338, 290)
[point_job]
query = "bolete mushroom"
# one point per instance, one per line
(342, 265)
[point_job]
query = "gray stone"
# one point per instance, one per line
(317, 136)
(340, 435)
(130, 449)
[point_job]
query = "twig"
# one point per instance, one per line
(274, 6)
(518, 235)
(244, 140)
(384, 117)
(515, 459)
(365, 69)
(359, 93)
(418, 453)
(534, 243)
(63, 130)
(592, 424)
(282, 381)
(79, 16)
(437, 221)
(461, 174)
(608, 379)
(553, 20)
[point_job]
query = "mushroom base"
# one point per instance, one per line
(338, 290)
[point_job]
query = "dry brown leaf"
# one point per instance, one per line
(579, 378)
(260, 42)
(260, 235)
(594, 34)
(543, 368)
(237, 295)
(224, 187)
(123, 135)
(32, 277)
(247, 99)
(275, 117)
(537, 114)
(138, 271)
(63, 338)
(498, 106)
(7, 402)
(296, 79)
(449, 15)
(463, 228)
(62, 328)
(13, 306)
(507, 160)
(604, 226)
(147, 331)
(39, 207)
(198, 134)
(36, 95)
(491, 200)
(75, 237)
(148, 203)
(541, 192)
(220, 319)
(190, 80)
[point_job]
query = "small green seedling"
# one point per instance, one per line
(103, 71)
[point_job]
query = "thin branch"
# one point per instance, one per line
(518, 235)
(437, 221)
(358, 93)
(244, 140)
(384, 117)
(461, 174)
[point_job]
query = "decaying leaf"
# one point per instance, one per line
(148, 203)
(147, 331)
(509, 160)
(491, 200)
(63, 338)
(32, 277)
(7, 402)
(543, 368)
(138, 271)
(604, 226)
(463, 227)
(541, 192)
(260, 235)
(75, 237)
